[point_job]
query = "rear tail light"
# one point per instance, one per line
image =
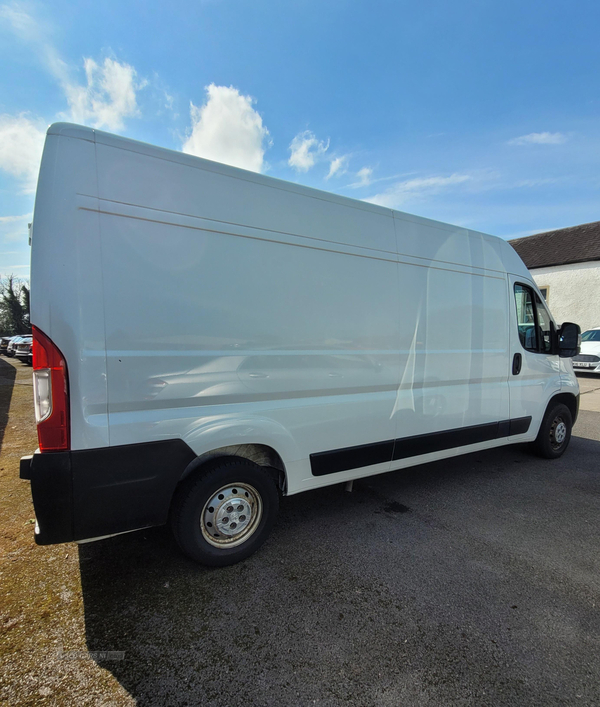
(51, 394)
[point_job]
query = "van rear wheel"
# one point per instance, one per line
(555, 432)
(225, 513)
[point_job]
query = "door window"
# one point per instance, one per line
(544, 326)
(533, 320)
(526, 317)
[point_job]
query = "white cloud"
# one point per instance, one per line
(35, 36)
(228, 129)
(13, 229)
(18, 270)
(21, 143)
(337, 166)
(540, 182)
(413, 189)
(108, 97)
(539, 139)
(306, 150)
(14, 237)
(364, 178)
(109, 94)
(12, 219)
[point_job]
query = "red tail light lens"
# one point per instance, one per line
(51, 394)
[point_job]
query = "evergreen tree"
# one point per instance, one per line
(14, 307)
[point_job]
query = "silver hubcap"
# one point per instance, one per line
(560, 432)
(231, 515)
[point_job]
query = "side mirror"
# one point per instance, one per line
(569, 340)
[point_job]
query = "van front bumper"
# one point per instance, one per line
(83, 494)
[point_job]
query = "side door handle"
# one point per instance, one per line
(517, 361)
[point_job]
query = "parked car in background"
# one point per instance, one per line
(10, 349)
(589, 358)
(4, 340)
(23, 349)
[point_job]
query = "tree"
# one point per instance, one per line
(14, 306)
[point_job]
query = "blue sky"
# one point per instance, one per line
(477, 112)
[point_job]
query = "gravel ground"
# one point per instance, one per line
(473, 581)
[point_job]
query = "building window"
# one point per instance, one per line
(545, 292)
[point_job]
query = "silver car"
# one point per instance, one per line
(23, 348)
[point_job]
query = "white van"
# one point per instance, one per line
(206, 339)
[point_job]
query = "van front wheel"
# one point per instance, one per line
(225, 513)
(555, 432)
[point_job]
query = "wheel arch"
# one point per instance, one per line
(568, 399)
(259, 439)
(261, 454)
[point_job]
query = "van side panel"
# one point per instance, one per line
(225, 195)
(454, 358)
(294, 338)
(431, 241)
(221, 333)
(67, 290)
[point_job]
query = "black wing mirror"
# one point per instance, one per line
(569, 340)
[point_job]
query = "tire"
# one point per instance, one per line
(225, 513)
(555, 432)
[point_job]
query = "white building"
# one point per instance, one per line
(566, 267)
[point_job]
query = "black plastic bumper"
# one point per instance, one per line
(89, 493)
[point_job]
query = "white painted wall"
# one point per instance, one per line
(574, 294)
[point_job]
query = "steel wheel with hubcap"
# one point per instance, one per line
(231, 515)
(555, 432)
(225, 512)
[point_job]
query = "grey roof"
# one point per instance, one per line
(576, 244)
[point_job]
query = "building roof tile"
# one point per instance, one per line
(576, 244)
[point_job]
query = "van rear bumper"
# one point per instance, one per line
(89, 493)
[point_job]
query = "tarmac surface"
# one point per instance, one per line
(472, 581)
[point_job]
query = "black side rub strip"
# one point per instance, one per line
(337, 460)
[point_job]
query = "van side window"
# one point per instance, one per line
(544, 326)
(526, 317)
